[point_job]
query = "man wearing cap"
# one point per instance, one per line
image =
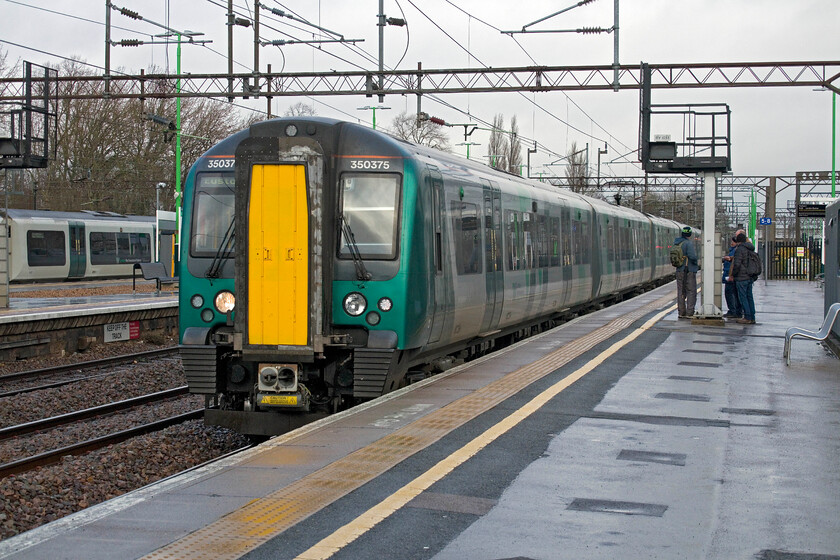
(686, 276)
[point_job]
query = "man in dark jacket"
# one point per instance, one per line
(743, 281)
(686, 276)
(733, 304)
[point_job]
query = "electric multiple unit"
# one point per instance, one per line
(324, 263)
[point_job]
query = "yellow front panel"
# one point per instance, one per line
(278, 259)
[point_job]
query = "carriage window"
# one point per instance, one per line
(515, 240)
(582, 241)
(370, 206)
(108, 247)
(45, 248)
(212, 214)
(467, 233)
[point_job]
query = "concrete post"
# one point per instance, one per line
(709, 272)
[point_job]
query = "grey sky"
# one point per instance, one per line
(774, 130)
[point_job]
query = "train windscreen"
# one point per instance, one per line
(370, 206)
(213, 215)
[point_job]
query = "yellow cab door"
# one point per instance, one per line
(278, 262)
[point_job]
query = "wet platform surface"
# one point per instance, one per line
(627, 433)
(24, 306)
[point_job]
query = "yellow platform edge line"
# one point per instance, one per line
(212, 538)
(353, 530)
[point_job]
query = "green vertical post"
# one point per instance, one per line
(176, 252)
(753, 211)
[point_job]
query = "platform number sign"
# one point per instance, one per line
(765, 221)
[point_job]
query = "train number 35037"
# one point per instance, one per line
(220, 163)
(369, 164)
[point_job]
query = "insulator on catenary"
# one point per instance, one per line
(437, 120)
(130, 13)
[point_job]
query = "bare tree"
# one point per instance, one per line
(497, 148)
(406, 126)
(110, 157)
(514, 151)
(576, 171)
(300, 109)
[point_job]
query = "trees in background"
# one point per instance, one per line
(504, 149)
(109, 156)
(408, 127)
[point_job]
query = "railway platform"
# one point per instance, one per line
(56, 324)
(626, 433)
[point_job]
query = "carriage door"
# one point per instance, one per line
(438, 298)
(278, 256)
(77, 250)
(494, 280)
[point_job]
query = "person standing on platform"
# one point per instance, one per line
(743, 280)
(686, 276)
(730, 291)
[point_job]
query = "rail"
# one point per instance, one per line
(54, 456)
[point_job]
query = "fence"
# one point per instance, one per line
(791, 260)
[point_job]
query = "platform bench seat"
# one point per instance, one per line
(822, 334)
(153, 271)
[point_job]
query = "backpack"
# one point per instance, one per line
(677, 256)
(752, 264)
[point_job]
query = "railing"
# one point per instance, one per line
(792, 260)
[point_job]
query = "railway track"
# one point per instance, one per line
(77, 367)
(55, 455)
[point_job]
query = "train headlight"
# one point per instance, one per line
(224, 302)
(385, 304)
(372, 318)
(197, 301)
(355, 304)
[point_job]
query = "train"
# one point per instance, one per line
(54, 246)
(325, 263)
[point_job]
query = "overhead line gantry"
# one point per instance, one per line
(440, 81)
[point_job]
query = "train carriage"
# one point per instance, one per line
(327, 263)
(47, 245)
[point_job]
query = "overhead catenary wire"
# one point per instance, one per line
(353, 48)
(533, 102)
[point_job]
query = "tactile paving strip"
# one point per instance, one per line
(264, 518)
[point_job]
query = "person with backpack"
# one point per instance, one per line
(683, 252)
(744, 271)
(730, 291)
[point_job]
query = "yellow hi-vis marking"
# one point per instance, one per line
(359, 526)
(278, 256)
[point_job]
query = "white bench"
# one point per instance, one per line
(822, 334)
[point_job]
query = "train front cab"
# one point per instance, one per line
(314, 325)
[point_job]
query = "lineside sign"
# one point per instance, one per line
(116, 332)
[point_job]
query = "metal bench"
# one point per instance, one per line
(152, 271)
(822, 334)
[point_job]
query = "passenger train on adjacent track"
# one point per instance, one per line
(49, 246)
(324, 263)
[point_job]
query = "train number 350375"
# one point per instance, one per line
(369, 164)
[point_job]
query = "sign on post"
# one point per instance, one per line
(765, 221)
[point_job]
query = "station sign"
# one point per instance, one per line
(765, 221)
(118, 332)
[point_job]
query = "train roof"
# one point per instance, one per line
(85, 215)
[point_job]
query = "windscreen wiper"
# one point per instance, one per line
(216, 266)
(361, 271)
